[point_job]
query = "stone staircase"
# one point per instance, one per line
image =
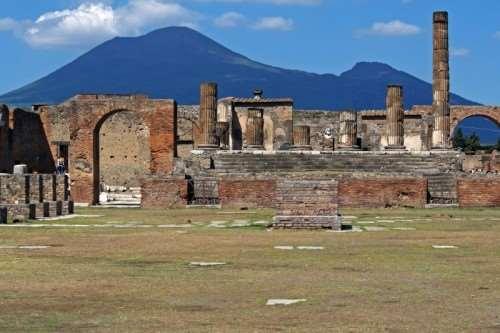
(120, 197)
(442, 189)
(345, 162)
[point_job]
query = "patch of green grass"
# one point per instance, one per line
(136, 280)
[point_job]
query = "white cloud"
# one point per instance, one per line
(94, 22)
(230, 20)
(274, 23)
(7, 24)
(497, 35)
(392, 28)
(461, 52)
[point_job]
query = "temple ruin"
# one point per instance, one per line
(246, 152)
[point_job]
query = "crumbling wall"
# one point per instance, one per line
(29, 143)
(5, 151)
(124, 150)
(324, 127)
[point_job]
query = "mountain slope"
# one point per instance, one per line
(172, 62)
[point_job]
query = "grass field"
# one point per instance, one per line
(129, 271)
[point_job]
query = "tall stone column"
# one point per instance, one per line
(441, 82)
(208, 116)
(348, 130)
(254, 133)
(302, 138)
(395, 118)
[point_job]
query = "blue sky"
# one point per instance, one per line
(323, 36)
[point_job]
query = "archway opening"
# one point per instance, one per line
(477, 130)
(122, 157)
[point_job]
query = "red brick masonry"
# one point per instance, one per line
(382, 192)
(158, 192)
(247, 193)
(479, 192)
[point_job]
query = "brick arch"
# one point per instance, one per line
(89, 112)
(460, 113)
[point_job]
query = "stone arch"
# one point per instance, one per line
(88, 113)
(458, 114)
(121, 152)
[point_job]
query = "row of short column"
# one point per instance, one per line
(215, 134)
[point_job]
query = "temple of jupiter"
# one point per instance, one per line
(348, 130)
(208, 116)
(254, 135)
(302, 138)
(395, 117)
(441, 82)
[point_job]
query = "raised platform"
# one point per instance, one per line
(307, 204)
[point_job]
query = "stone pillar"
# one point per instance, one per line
(302, 138)
(441, 82)
(208, 116)
(254, 134)
(348, 130)
(395, 118)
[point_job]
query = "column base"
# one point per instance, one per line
(253, 147)
(298, 148)
(348, 148)
(395, 147)
(208, 147)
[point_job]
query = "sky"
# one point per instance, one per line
(321, 36)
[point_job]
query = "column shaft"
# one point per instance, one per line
(441, 82)
(395, 118)
(208, 116)
(348, 130)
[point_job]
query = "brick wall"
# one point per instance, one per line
(159, 192)
(479, 192)
(382, 192)
(254, 193)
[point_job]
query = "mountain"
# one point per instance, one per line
(172, 62)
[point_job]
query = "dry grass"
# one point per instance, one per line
(139, 280)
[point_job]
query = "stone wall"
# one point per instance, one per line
(479, 192)
(379, 192)
(164, 192)
(241, 192)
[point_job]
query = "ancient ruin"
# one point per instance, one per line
(245, 152)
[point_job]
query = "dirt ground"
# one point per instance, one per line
(129, 270)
